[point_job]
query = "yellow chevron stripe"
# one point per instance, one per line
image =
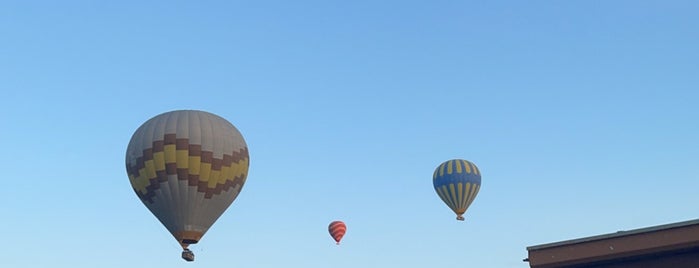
(194, 165)
(214, 178)
(159, 161)
(236, 170)
(182, 158)
(137, 183)
(170, 155)
(458, 166)
(226, 172)
(441, 169)
(449, 167)
(241, 169)
(205, 172)
(150, 169)
(141, 174)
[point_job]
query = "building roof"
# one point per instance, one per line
(661, 239)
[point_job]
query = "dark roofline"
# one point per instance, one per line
(617, 234)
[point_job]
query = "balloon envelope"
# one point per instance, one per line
(337, 230)
(457, 183)
(187, 167)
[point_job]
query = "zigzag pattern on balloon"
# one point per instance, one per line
(176, 157)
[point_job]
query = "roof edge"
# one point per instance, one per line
(616, 234)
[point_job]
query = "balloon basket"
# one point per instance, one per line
(187, 255)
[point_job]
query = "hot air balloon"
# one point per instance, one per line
(187, 167)
(337, 230)
(457, 183)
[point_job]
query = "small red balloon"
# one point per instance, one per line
(337, 230)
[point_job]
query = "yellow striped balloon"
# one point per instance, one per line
(457, 183)
(187, 167)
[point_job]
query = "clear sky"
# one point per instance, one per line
(581, 115)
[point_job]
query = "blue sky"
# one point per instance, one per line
(581, 116)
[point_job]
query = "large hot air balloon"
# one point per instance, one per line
(187, 167)
(337, 230)
(457, 183)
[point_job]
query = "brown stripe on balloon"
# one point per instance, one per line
(216, 164)
(194, 150)
(207, 156)
(227, 185)
(216, 190)
(223, 187)
(220, 187)
(182, 144)
(171, 168)
(202, 186)
(161, 175)
(182, 174)
(169, 139)
(150, 191)
(135, 172)
(147, 155)
(152, 186)
(227, 160)
(240, 155)
(158, 146)
(132, 170)
(237, 180)
(141, 196)
(193, 180)
(141, 161)
(208, 192)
